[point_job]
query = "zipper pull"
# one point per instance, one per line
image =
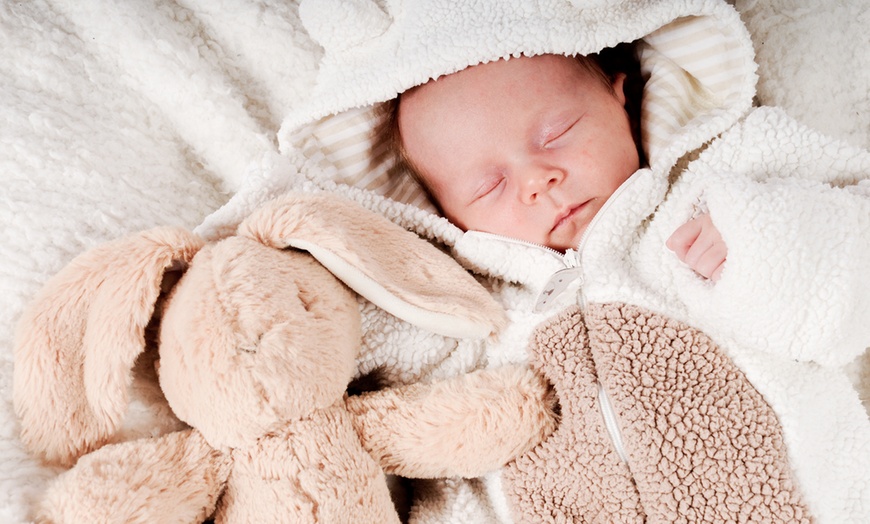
(560, 280)
(572, 258)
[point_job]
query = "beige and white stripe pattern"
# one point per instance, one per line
(692, 65)
(345, 149)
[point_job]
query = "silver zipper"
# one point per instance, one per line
(573, 257)
(517, 241)
(560, 281)
(610, 423)
(557, 284)
(608, 414)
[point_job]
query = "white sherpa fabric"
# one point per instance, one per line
(119, 116)
(759, 181)
(793, 40)
(427, 39)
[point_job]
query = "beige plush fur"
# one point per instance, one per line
(257, 343)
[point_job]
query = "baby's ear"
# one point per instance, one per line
(77, 342)
(393, 268)
(618, 86)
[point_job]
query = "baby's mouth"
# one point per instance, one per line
(565, 216)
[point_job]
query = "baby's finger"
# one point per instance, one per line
(710, 263)
(699, 248)
(683, 238)
(717, 273)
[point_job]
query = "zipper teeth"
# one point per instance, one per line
(608, 414)
(517, 241)
(597, 217)
(581, 295)
(610, 423)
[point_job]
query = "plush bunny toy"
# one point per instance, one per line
(257, 343)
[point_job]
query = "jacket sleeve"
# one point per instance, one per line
(794, 210)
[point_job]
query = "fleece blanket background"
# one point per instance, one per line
(121, 115)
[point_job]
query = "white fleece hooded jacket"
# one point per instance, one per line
(682, 400)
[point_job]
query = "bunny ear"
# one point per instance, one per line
(393, 268)
(77, 342)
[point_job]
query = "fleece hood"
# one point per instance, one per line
(696, 54)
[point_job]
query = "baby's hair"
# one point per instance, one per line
(387, 131)
(623, 59)
(605, 65)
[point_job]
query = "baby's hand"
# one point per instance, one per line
(699, 244)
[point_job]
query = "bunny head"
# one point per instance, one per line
(252, 337)
(262, 327)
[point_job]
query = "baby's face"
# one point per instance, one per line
(528, 148)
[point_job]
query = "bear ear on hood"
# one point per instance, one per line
(341, 24)
(77, 342)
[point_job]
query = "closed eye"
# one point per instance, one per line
(557, 136)
(492, 184)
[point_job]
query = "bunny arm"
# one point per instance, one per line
(177, 477)
(464, 426)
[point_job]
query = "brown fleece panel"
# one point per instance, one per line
(702, 444)
(575, 475)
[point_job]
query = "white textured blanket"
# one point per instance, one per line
(119, 116)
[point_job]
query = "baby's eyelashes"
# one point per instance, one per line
(555, 142)
(555, 135)
(490, 186)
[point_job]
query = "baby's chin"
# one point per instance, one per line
(566, 238)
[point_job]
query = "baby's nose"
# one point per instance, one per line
(537, 181)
